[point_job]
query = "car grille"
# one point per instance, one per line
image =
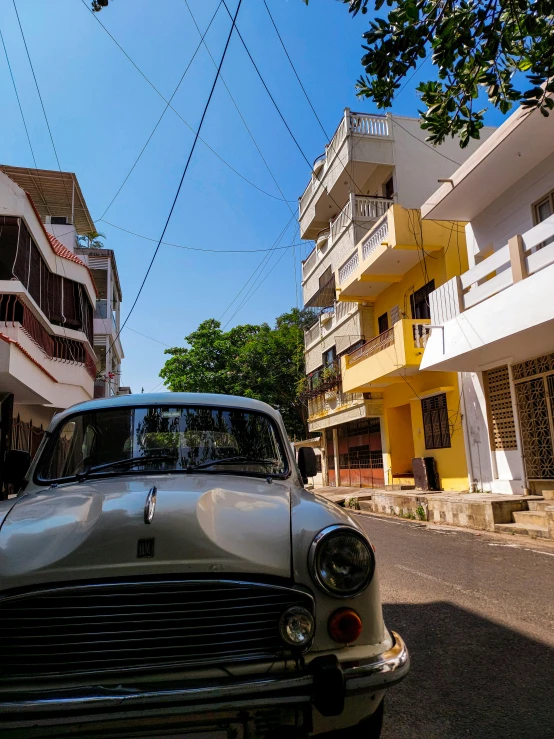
(121, 625)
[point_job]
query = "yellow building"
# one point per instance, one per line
(367, 280)
(394, 269)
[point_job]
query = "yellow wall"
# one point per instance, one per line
(451, 462)
(401, 442)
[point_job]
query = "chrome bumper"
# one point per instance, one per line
(80, 705)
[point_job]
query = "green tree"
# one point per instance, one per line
(91, 240)
(254, 361)
(505, 47)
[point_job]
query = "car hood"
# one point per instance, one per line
(201, 524)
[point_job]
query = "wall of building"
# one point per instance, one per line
(451, 462)
(67, 235)
(418, 164)
(511, 213)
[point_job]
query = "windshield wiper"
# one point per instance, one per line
(230, 460)
(130, 462)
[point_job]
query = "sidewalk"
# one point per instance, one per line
(480, 511)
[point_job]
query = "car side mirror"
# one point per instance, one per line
(14, 469)
(307, 463)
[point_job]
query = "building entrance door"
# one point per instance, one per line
(535, 402)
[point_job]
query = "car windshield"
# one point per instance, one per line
(164, 439)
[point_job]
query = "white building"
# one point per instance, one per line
(107, 343)
(47, 299)
(497, 320)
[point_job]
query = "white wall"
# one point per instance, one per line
(67, 235)
(511, 213)
(418, 164)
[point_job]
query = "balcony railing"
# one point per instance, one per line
(350, 266)
(372, 346)
(324, 403)
(58, 348)
(375, 239)
(523, 256)
(322, 381)
(312, 334)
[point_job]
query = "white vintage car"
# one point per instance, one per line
(163, 572)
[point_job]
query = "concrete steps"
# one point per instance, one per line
(548, 495)
(534, 532)
(539, 505)
(533, 518)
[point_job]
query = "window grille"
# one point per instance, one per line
(435, 422)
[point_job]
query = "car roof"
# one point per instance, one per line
(169, 399)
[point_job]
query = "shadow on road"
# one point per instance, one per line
(470, 677)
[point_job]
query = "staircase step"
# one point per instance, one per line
(534, 518)
(535, 532)
(548, 495)
(539, 505)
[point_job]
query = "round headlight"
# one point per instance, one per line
(341, 561)
(296, 626)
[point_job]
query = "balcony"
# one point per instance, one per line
(354, 222)
(383, 360)
(389, 250)
(362, 148)
(41, 367)
(502, 307)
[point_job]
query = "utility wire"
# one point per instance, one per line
(197, 135)
(433, 148)
(112, 201)
(162, 96)
(18, 101)
(198, 248)
(239, 112)
(148, 337)
(40, 98)
(259, 267)
(39, 185)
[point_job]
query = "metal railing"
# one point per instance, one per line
(373, 346)
(13, 311)
(59, 348)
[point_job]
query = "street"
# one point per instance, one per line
(477, 613)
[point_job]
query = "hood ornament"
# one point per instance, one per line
(150, 505)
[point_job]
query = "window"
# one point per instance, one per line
(330, 357)
(543, 210)
(318, 462)
(435, 422)
(383, 322)
(389, 188)
(419, 301)
(164, 439)
(59, 220)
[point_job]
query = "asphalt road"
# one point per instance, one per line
(477, 613)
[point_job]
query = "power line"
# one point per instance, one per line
(239, 112)
(18, 101)
(139, 70)
(433, 148)
(269, 93)
(112, 201)
(148, 337)
(198, 248)
(260, 266)
(40, 97)
(185, 169)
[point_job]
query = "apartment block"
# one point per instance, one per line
(367, 279)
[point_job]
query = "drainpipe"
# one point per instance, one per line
(467, 440)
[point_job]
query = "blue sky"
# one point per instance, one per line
(101, 112)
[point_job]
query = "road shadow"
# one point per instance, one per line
(470, 677)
